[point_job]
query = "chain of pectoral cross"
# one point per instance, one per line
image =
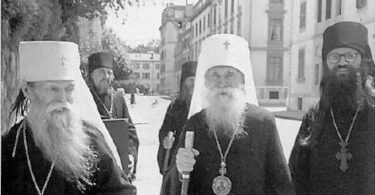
(344, 155)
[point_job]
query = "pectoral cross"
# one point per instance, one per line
(343, 156)
(226, 44)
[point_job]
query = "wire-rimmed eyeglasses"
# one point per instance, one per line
(349, 57)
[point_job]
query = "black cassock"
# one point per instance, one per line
(16, 178)
(120, 110)
(174, 121)
(315, 168)
(255, 163)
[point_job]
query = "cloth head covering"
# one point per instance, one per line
(101, 60)
(60, 61)
(222, 50)
(347, 34)
(188, 69)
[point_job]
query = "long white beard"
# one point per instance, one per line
(58, 133)
(224, 114)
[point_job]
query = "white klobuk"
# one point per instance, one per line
(222, 50)
(56, 61)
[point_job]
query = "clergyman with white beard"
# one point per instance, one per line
(236, 148)
(59, 144)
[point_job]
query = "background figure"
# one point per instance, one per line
(132, 98)
(176, 116)
(334, 149)
(236, 147)
(110, 103)
(58, 146)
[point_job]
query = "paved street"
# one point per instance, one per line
(148, 118)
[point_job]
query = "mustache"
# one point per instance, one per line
(223, 90)
(59, 107)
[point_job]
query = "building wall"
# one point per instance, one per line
(305, 93)
(137, 60)
(171, 19)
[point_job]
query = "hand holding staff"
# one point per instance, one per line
(167, 143)
(185, 160)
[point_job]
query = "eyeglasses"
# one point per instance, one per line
(349, 57)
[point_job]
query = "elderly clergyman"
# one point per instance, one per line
(334, 149)
(59, 143)
(236, 148)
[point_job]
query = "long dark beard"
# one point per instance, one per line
(59, 134)
(340, 94)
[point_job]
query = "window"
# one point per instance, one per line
(320, 4)
(361, 4)
(226, 9)
(275, 30)
(204, 23)
(338, 7)
(239, 26)
(328, 8)
(208, 20)
(136, 75)
(145, 75)
(157, 76)
(196, 29)
(232, 27)
(162, 68)
(200, 27)
(316, 76)
(274, 95)
(157, 66)
(302, 16)
(232, 7)
(275, 70)
(301, 64)
(146, 66)
(136, 66)
(214, 16)
(276, 1)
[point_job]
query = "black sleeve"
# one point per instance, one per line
(171, 184)
(163, 132)
(278, 177)
(299, 161)
(109, 178)
(133, 137)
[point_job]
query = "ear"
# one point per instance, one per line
(27, 91)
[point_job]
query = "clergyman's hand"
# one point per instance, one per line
(185, 159)
(131, 164)
(168, 142)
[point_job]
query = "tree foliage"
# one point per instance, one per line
(153, 45)
(113, 44)
(31, 20)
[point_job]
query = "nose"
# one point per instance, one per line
(62, 96)
(342, 61)
(222, 82)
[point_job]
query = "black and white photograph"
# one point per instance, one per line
(187, 97)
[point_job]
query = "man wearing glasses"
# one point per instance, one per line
(334, 149)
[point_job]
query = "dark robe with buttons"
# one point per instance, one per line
(313, 163)
(255, 163)
(16, 178)
(174, 121)
(120, 110)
